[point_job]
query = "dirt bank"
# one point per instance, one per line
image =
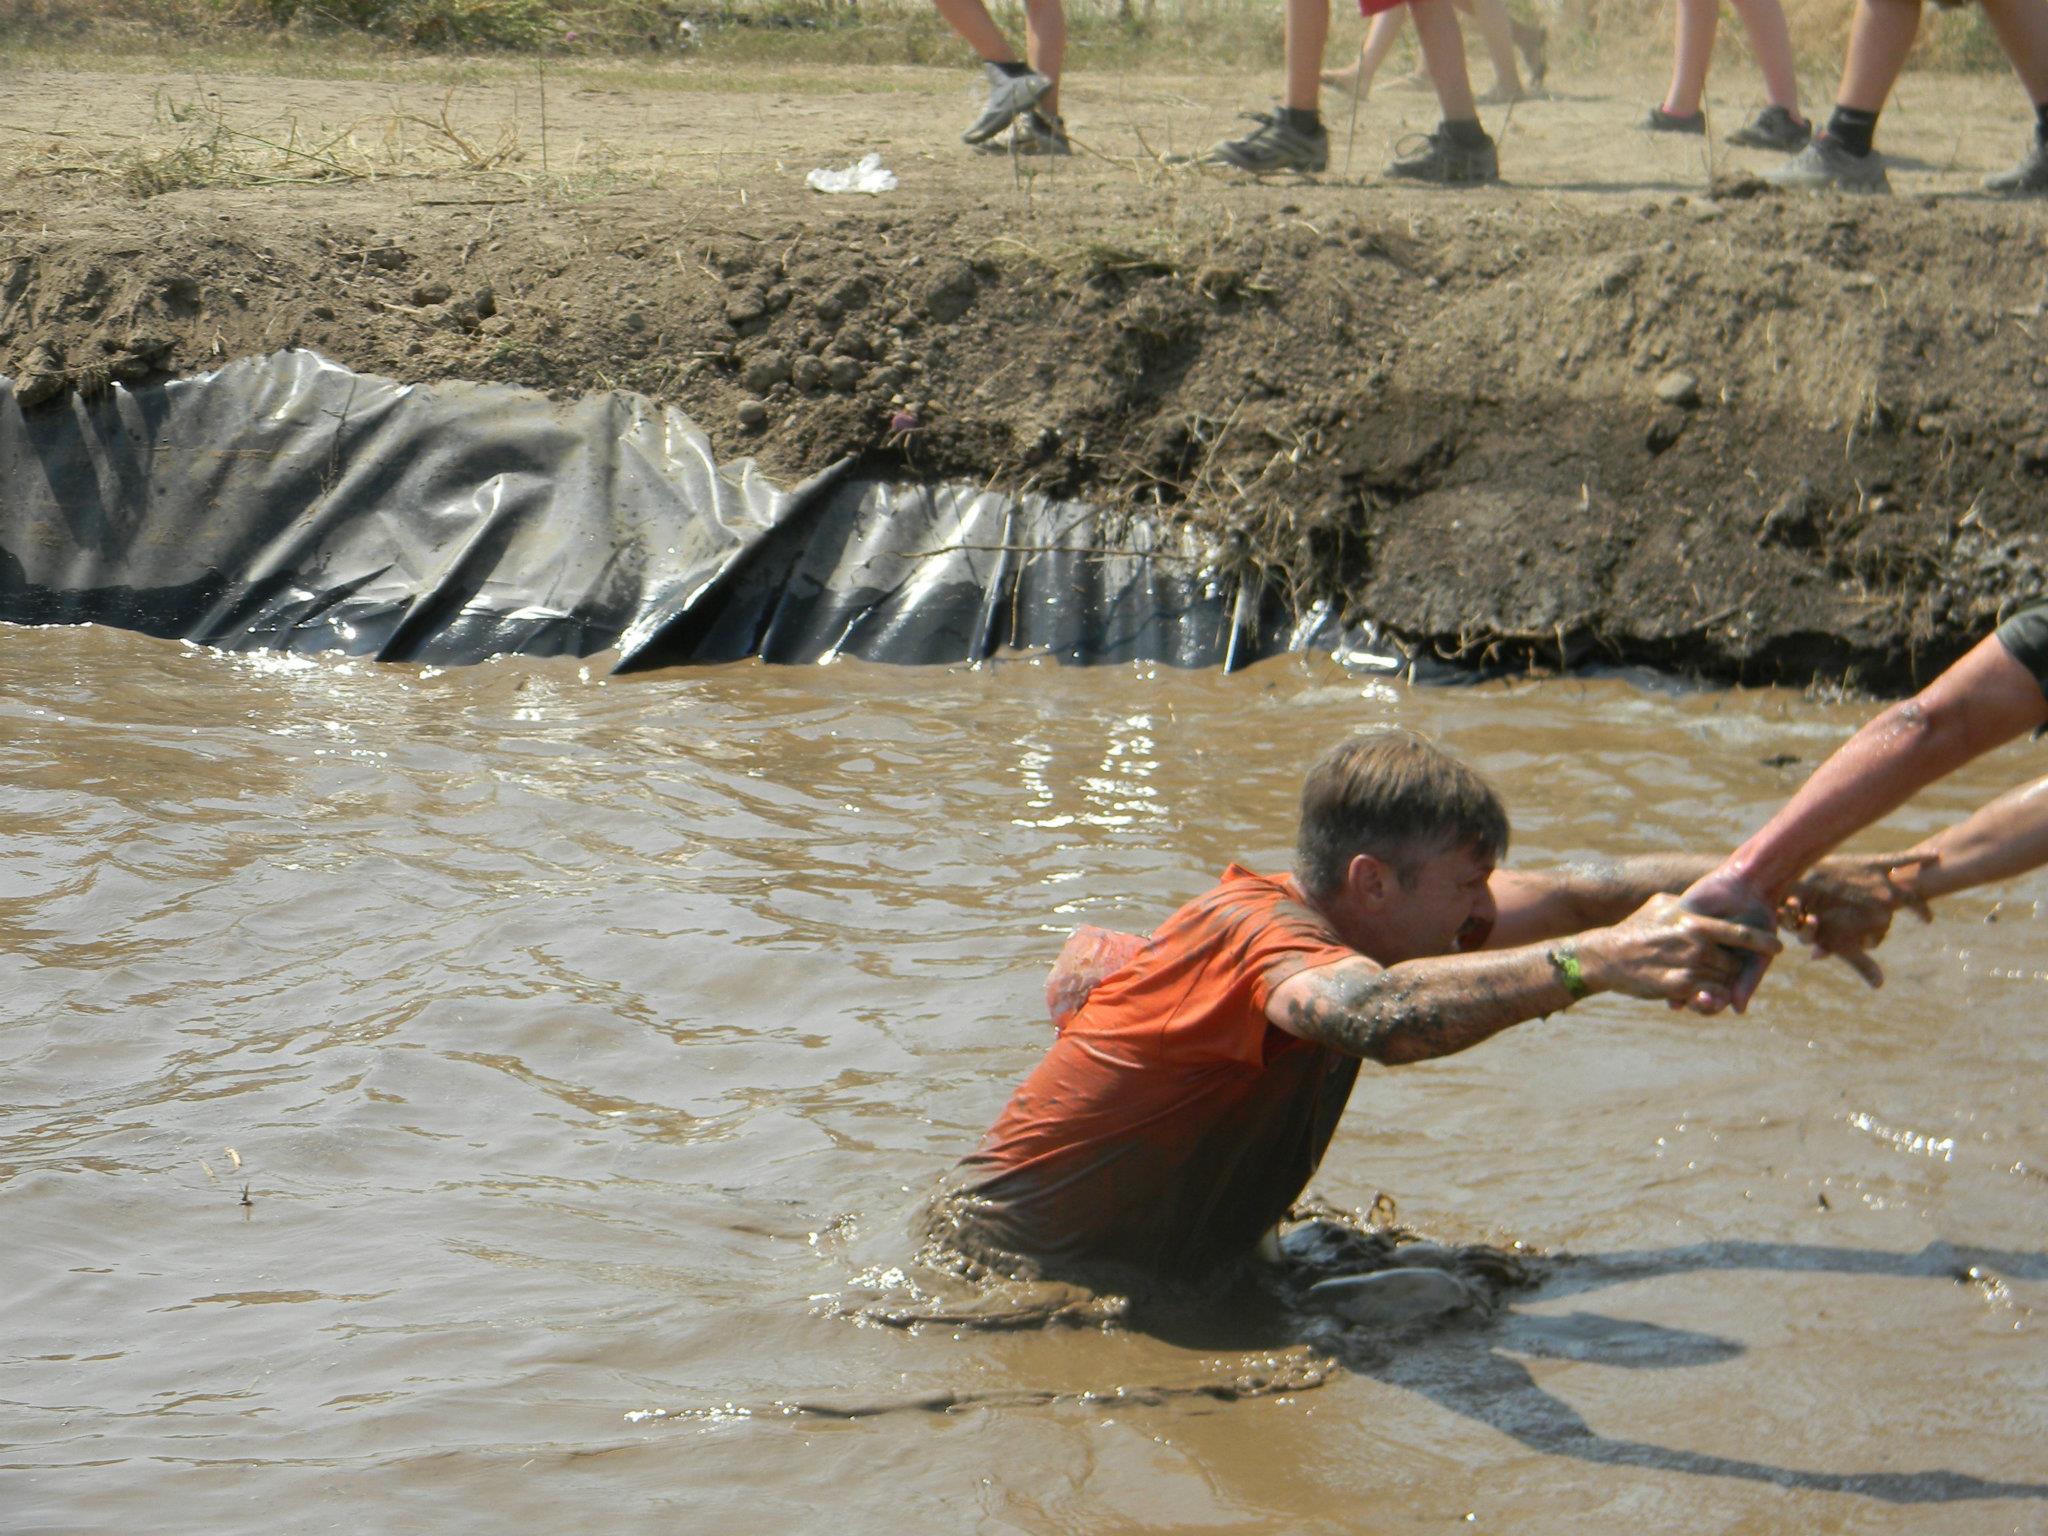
(1618, 410)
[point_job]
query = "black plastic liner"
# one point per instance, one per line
(285, 503)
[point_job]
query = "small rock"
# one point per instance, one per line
(808, 374)
(389, 256)
(843, 374)
(484, 301)
(1930, 425)
(765, 372)
(777, 298)
(753, 415)
(323, 311)
(41, 377)
(494, 325)
(1666, 427)
(431, 293)
(1679, 388)
(1614, 276)
(952, 293)
(746, 309)
(1705, 211)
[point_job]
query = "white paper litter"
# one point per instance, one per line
(864, 175)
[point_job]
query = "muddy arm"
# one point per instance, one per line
(1432, 1007)
(1550, 903)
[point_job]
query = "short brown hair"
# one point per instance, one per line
(1397, 796)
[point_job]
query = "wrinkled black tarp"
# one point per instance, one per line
(286, 503)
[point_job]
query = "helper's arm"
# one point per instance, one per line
(1846, 904)
(1436, 1006)
(1983, 700)
(1986, 698)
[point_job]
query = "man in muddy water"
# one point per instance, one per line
(1997, 690)
(1198, 1076)
(1292, 136)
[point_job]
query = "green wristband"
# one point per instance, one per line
(1564, 960)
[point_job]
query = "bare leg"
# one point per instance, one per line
(1045, 44)
(2022, 28)
(1880, 37)
(1308, 29)
(1764, 21)
(1692, 50)
(1379, 42)
(1491, 17)
(970, 18)
(1443, 54)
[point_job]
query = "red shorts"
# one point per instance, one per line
(1374, 7)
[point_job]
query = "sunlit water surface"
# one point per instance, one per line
(473, 1099)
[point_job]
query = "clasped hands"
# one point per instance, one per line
(1842, 907)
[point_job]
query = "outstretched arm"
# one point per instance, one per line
(1437, 1006)
(1846, 904)
(1983, 700)
(1548, 903)
(1986, 698)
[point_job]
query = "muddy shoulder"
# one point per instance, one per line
(1738, 435)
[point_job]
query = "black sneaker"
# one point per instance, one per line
(1270, 147)
(1009, 96)
(1660, 121)
(1774, 128)
(2027, 179)
(1824, 166)
(1439, 158)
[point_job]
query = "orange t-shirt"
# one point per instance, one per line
(1171, 1124)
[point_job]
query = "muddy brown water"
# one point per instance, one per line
(585, 1046)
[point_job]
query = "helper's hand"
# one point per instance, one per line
(1724, 896)
(1844, 905)
(1664, 950)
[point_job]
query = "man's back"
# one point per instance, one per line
(1171, 1124)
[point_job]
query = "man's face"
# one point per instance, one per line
(1444, 905)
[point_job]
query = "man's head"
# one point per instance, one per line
(1396, 843)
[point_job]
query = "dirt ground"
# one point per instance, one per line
(1629, 406)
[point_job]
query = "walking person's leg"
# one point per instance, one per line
(1498, 33)
(1380, 38)
(1780, 125)
(1844, 156)
(1290, 138)
(1692, 50)
(1045, 45)
(1014, 87)
(1460, 150)
(2022, 28)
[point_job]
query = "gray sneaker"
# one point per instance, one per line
(1008, 97)
(1039, 133)
(1270, 147)
(1438, 158)
(1825, 166)
(1773, 128)
(2027, 179)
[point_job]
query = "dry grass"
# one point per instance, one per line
(195, 144)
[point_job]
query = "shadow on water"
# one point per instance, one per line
(1470, 1368)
